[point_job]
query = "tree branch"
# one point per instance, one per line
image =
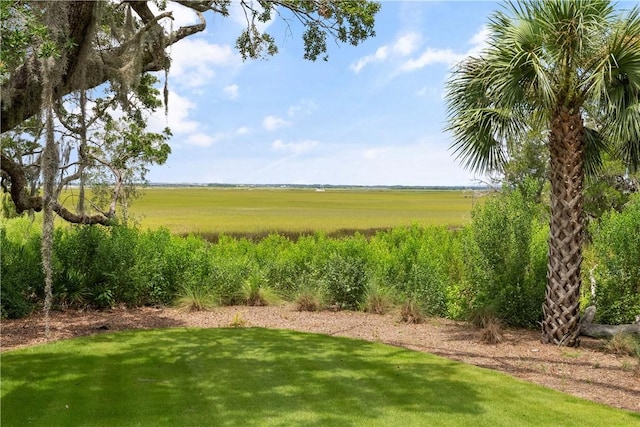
(22, 92)
(24, 202)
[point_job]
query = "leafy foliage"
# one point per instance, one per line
(21, 273)
(346, 273)
(616, 244)
(506, 259)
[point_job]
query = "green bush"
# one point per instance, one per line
(505, 254)
(280, 262)
(116, 261)
(77, 267)
(162, 262)
(20, 274)
(616, 245)
(345, 272)
(227, 274)
(93, 265)
(415, 262)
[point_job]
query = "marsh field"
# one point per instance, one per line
(250, 210)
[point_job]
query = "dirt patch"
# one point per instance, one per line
(587, 372)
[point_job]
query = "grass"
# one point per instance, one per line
(261, 377)
(237, 210)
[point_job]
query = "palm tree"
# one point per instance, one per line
(573, 68)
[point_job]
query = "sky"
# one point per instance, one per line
(373, 114)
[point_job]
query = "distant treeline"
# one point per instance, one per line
(325, 186)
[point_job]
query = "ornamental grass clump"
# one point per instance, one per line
(411, 311)
(490, 325)
(256, 292)
(378, 299)
(195, 297)
(624, 345)
(312, 296)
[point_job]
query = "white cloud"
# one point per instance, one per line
(231, 91)
(194, 61)
(404, 45)
(274, 122)
(243, 130)
(373, 153)
(380, 55)
(294, 147)
(432, 56)
(185, 129)
(447, 56)
(178, 118)
(426, 162)
(407, 44)
(303, 108)
(200, 140)
(479, 41)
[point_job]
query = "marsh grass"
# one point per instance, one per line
(254, 212)
(294, 236)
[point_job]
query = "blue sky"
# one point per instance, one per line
(372, 115)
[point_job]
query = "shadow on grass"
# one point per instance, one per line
(225, 377)
(260, 377)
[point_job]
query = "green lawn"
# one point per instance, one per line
(262, 377)
(238, 210)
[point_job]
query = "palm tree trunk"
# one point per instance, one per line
(561, 308)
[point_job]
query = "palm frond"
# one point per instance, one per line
(544, 55)
(595, 146)
(624, 132)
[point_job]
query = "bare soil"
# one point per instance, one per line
(588, 372)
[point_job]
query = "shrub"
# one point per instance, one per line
(490, 325)
(116, 258)
(77, 269)
(616, 248)
(624, 345)
(345, 273)
(20, 274)
(416, 262)
(505, 253)
(161, 263)
(226, 276)
(491, 332)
